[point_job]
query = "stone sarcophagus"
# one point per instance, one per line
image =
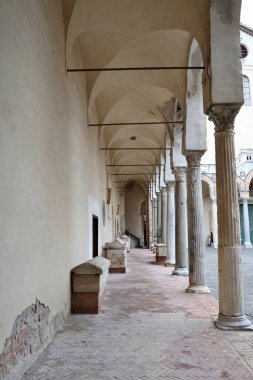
(116, 253)
(161, 253)
(88, 283)
(126, 239)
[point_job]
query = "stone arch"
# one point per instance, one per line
(247, 180)
(211, 184)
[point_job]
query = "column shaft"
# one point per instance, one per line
(158, 228)
(196, 248)
(214, 223)
(231, 313)
(180, 217)
(170, 223)
(163, 215)
(155, 221)
(247, 242)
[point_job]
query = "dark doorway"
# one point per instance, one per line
(95, 235)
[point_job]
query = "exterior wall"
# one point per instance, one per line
(52, 174)
(207, 208)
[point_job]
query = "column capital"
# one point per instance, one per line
(245, 195)
(170, 185)
(223, 116)
(193, 158)
(180, 173)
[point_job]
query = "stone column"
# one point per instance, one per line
(231, 312)
(170, 186)
(247, 242)
(180, 217)
(214, 222)
(158, 226)
(163, 214)
(196, 247)
(154, 221)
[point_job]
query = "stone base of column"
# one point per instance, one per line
(233, 323)
(198, 289)
(247, 244)
(180, 271)
(215, 245)
(170, 263)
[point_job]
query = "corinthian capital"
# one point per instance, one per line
(193, 158)
(179, 173)
(223, 116)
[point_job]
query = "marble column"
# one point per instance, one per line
(231, 312)
(247, 242)
(196, 247)
(170, 186)
(214, 222)
(163, 215)
(158, 226)
(154, 221)
(180, 218)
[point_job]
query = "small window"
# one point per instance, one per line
(243, 51)
(246, 90)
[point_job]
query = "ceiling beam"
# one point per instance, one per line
(131, 174)
(135, 148)
(138, 123)
(137, 165)
(138, 68)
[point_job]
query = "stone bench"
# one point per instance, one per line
(88, 282)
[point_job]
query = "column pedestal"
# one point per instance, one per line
(231, 312)
(180, 217)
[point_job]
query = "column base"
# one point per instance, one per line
(247, 244)
(215, 245)
(170, 263)
(180, 272)
(233, 323)
(198, 289)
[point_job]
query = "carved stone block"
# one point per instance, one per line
(161, 253)
(118, 260)
(88, 282)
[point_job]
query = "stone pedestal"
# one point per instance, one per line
(126, 239)
(88, 282)
(161, 253)
(116, 253)
(247, 242)
(170, 224)
(231, 313)
(196, 246)
(180, 216)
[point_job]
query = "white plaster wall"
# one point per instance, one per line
(52, 173)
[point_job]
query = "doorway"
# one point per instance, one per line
(94, 236)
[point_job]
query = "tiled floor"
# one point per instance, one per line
(149, 328)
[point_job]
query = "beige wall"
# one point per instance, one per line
(134, 196)
(52, 174)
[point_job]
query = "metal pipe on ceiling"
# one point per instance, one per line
(138, 68)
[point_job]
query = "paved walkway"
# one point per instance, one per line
(149, 328)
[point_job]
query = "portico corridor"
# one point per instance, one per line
(149, 328)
